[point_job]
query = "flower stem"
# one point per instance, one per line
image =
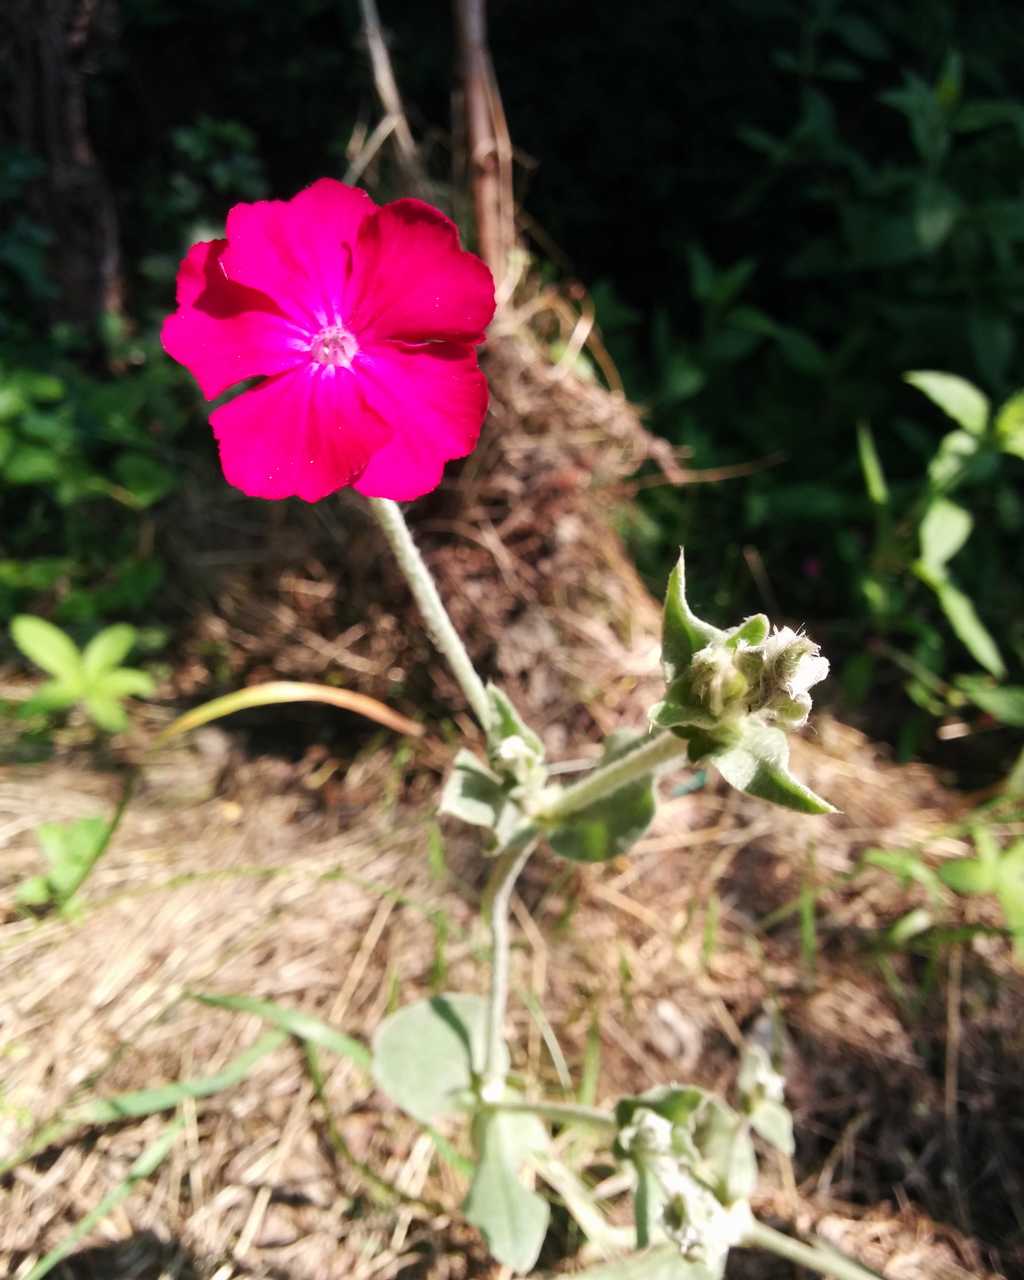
(497, 897)
(818, 1257)
(561, 1113)
(612, 777)
(389, 516)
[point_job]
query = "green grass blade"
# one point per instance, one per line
(147, 1164)
(301, 1025)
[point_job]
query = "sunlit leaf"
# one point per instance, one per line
(302, 1025)
(955, 396)
(47, 646)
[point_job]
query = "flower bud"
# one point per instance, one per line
(717, 683)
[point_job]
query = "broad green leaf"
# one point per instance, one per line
(71, 849)
(968, 875)
(677, 1103)
(774, 1122)
(613, 824)
(47, 646)
(428, 1055)
(871, 466)
(963, 618)
(106, 712)
(512, 1219)
(1010, 886)
(1004, 702)
(683, 633)
(304, 1026)
(759, 765)
(663, 1263)
(955, 396)
(277, 691)
(108, 649)
(944, 530)
(936, 209)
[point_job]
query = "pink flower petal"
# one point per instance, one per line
(434, 398)
(305, 433)
(299, 251)
(411, 281)
(223, 332)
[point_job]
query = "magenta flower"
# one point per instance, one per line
(363, 321)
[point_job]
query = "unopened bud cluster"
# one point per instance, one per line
(732, 677)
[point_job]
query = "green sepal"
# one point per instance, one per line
(611, 825)
(753, 630)
(682, 633)
(512, 1219)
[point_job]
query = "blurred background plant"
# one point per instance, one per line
(769, 242)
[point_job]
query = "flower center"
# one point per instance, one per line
(334, 346)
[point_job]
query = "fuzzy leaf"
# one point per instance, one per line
(506, 722)
(613, 824)
(513, 1220)
(682, 633)
(773, 1121)
(758, 764)
(427, 1056)
(473, 793)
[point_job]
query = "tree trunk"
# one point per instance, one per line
(48, 48)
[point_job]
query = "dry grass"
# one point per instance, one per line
(305, 880)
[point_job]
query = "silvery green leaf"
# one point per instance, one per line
(753, 630)
(513, 1219)
(614, 823)
(723, 1139)
(428, 1055)
(774, 1123)
(682, 633)
(473, 793)
(758, 764)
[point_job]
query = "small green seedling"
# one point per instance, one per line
(71, 850)
(92, 677)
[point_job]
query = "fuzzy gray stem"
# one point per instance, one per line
(392, 523)
(817, 1257)
(498, 896)
(636, 764)
(562, 1113)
